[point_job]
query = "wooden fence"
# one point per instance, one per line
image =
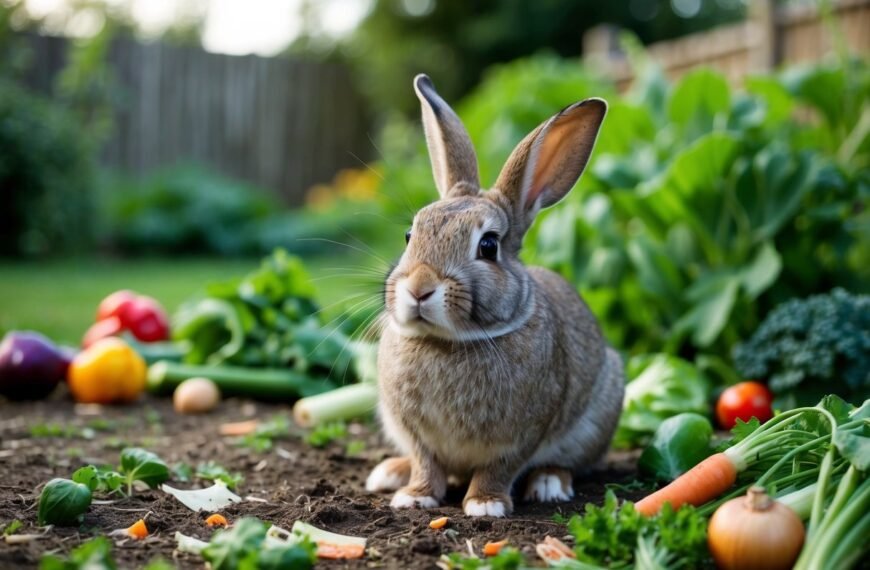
(283, 124)
(771, 36)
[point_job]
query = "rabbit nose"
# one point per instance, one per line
(421, 295)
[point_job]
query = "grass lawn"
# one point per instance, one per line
(59, 298)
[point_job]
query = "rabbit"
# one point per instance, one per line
(489, 370)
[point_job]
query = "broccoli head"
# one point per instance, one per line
(807, 347)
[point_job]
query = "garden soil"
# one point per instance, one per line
(291, 481)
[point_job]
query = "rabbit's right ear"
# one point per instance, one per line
(546, 164)
(454, 162)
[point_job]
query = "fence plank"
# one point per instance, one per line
(283, 124)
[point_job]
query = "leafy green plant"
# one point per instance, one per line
(507, 559)
(141, 465)
(245, 546)
(807, 347)
(12, 527)
(186, 209)
(679, 443)
(94, 554)
(659, 386)
(99, 479)
(215, 472)
(267, 319)
(324, 434)
(266, 432)
(47, 171)
(63, 502)
(614, 535)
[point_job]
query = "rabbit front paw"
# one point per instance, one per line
(549, 486)
(488, 506)
(407, 499)
(389, 475)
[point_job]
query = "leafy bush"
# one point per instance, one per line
(813, 346)
(186, 209)
(697, 215)
(47, 174)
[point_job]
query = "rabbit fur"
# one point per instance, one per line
(489, 369)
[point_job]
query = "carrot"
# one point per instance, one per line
(440, 522)
(239, 428)
(217, 520)
(493, 548)
(138, 530)
(339, 551)
(703, 482)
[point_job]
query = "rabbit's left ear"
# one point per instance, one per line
(545, 166)
(454, 162)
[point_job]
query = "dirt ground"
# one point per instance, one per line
(291, 481)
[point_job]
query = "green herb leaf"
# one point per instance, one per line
(215, 472)
(63, 502)
(141, 465)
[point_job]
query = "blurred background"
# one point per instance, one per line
(159, 145)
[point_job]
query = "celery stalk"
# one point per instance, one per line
(341, 404)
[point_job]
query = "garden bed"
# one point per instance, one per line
(292, 481)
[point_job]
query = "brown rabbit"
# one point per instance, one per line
(489, 369)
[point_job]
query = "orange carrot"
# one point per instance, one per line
(554, 550)
(339, 551)
(440, 522)
(493, 548)
(138, 530)
(703, 482)
(217, 520)
(239, 428)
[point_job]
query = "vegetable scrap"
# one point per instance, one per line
(493, 548)
(438, 523)
(214, 498)
(217, 520)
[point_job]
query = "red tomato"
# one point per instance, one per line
(115, 305)
(745, 401)
(147, 320)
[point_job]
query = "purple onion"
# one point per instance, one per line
(31, 366)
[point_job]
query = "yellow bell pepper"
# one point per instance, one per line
(109, 371)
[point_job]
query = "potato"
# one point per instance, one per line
(196, 396)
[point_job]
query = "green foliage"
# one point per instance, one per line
(142, 465)
(246, 546)
(456, 42)
(95, 554)
(324, 434)
(47, 173)
(268, 318)
(611, 535)
(216, 472)
(266, 432)
(12, 527)
(680, 443)
(813, 346)
(186, 209)
(99, 480)
(63, 502)
(660, 386)
(507, 559)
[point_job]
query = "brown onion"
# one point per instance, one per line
(755, 532)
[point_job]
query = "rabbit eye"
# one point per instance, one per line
(407, 235)
(488, 247)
